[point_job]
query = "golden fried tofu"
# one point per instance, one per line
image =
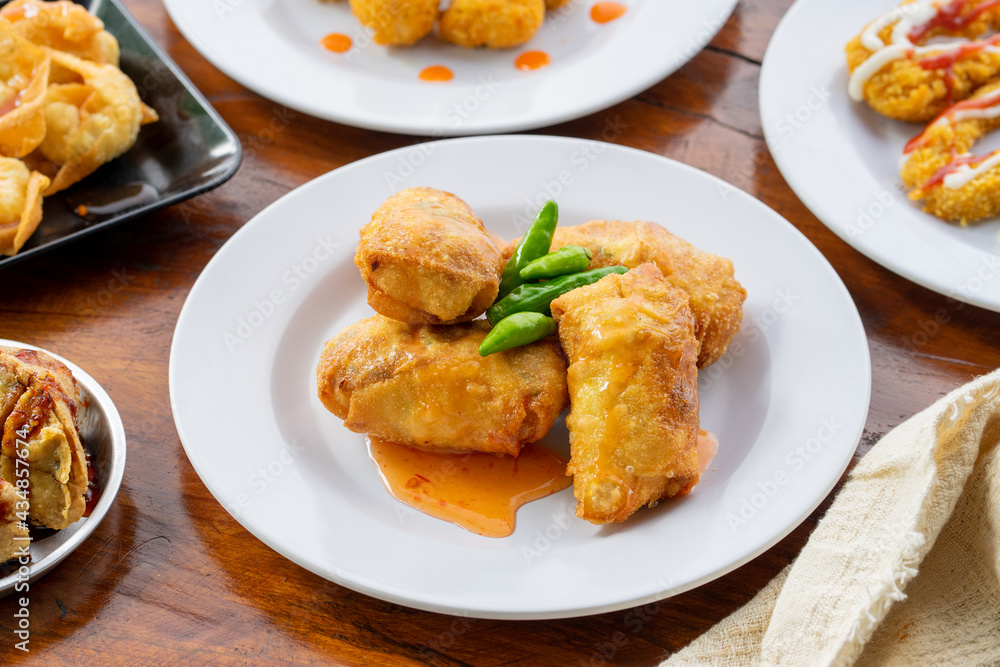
(39, 400)
(940, 170)
(396, 22)
(20, 203)
(716, 296)
(427, 387)
(494, 24)
(13, 531)
(427, 258)
(633, 386)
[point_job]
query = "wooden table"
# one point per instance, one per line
(171, 577)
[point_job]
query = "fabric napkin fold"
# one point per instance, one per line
(904, 568)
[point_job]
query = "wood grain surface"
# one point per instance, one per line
(170, 578)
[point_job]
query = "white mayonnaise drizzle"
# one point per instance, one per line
(965, 174)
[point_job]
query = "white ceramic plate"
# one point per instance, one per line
(788, 401)
(103, 437)
(842, 159)
(272, 47)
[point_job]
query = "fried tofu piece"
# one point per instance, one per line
(13, 531)
(427, 387)
(427, 258)
(494, 24)
(39, 401)
(633, 385)
(716, 297)
(397, 22)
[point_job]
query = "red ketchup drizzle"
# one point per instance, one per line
(984, 102)
(947, 60)
(952, 167)
(948, 17)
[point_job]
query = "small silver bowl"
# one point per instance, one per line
(103, 437)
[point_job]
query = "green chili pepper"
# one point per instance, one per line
(566, 260)
(535, 243)
(517, 330)
(536, 297)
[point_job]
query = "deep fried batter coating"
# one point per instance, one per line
(427, 387)
(39, 400)
(901, 75)
(495, 24)
(13, 531)
(940, 170)
(427, 259)
(24, 76)
(396, 22)
(716, 296)
(633, 383)
(64, 26)
(555, 4)
(20, 204)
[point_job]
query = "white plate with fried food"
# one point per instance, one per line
(274, 49)
(788, 401)
(843, 159)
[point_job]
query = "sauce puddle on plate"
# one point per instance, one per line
(437, 73)
(605, 12)
(337, 42)
(530, 60)
(479, 492)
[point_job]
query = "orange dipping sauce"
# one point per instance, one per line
(337, 42)
(605, 12)
(479, 492)
(437, 73)
(530, 60)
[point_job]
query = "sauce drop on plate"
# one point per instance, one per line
(337, 42)
(530, 60)
(437, 73)
(708, 447)
(479, 492)
(605, 12)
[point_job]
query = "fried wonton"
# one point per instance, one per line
(64, 26)
(20, 203)
(39, 401)
(24, 75)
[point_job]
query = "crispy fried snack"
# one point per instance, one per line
(427, 387)
(716, 296)
(633, 419)
(397, 22)
(20, 203)
(89, 123)
(64, 26)
(555, 4)
(939, 168)
(38, 413)
(495, 24)
(427, 258)
(13, 531)
(897, 68)
(24, 75)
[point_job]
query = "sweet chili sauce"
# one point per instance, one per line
(477, 491)
(437, 73)
(337, 42)
(605, 12)
(530, 60)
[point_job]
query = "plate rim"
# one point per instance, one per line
(371, 589)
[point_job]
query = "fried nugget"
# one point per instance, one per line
(633, 384)
(427, 258)
(939, 168)
(427, 387)
(900, 67)
(716, 296)
(495, 24)
(396, 22)
(39, 403)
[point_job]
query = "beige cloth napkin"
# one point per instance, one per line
(904, 568)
